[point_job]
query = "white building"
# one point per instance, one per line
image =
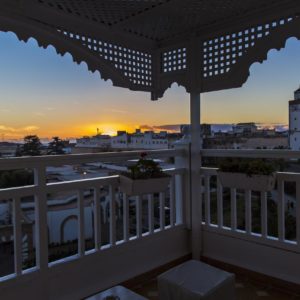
(149, 140)
(121, 140)
(245, 128)
(97, 141)
(294, 122)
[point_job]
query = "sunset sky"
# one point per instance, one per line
(45, 94)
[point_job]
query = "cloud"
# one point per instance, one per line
(118, 111)
(30, 128)
(18, 130)
(39, 114)
(5, 128)
(169, 128)
(5, 110)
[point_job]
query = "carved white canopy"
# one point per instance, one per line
(146, 45)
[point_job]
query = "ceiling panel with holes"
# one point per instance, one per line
(159, 20)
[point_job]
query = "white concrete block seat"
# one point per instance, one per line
(117, 293)
(194, 280)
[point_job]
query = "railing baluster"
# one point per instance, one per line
(150, 213)
(248, 212)
(17, 235)
(281, 210)
(81, 235)
(139, 216)
(298, 212)
(172, 202)
(112, 216)
(180, 192)
(162, 214)
(125, 218)
(264, 214)
(207, 200)
(41, 218)
(220, 203)
(97, 219)
(233, 210)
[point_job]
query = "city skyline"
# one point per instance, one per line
(61, 98)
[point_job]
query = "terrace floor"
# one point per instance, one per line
(246, 289)
(249, 285)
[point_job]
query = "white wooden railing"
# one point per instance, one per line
(161, 242)
(41, 189)
(218, 235)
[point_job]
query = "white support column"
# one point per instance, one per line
(196, 195)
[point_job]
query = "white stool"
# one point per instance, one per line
(120, 292)
(195, 280)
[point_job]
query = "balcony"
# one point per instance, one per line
(118, 238)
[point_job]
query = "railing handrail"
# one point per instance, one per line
(58, 160)
(245, 153)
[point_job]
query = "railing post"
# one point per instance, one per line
(125, 218)
(41, 218)
(233, 209)
(264, 214)
(112, 215)
(80, 210)
(220, 204)
(97, 219)
(182, 184)
(298, 212)
(207, 201)
(150, 213)
(139, 215)
(172, 202)
(162, 214)
(281, 210)
(17, 235)
(248, 212)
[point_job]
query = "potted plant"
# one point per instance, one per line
(144, 177)
(255, 174)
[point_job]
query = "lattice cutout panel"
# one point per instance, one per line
(220, 54)
(135, 65)
(174, 60)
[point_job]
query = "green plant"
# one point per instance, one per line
(144, 169)
(249, 167)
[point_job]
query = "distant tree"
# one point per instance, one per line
(32, 146)
(56, 146)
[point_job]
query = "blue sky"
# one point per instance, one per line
(46, 94)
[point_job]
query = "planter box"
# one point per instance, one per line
(143, 186)
(263, 183)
